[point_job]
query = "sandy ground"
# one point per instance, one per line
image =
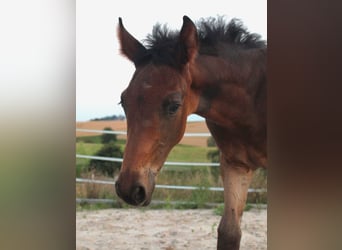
(134, 229)
(192, 127)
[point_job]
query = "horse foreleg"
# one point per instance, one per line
(236, 181)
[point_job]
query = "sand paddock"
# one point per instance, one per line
(135, 229)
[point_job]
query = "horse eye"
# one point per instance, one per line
(172, 108)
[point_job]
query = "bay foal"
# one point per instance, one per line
(216, 70)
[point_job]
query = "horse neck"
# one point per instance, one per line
(225, 89)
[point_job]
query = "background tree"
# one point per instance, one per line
(106, 138)
(109, 149)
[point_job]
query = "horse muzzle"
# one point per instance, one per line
(136, 193)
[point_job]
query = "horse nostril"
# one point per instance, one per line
(135, 196)
(138, 195)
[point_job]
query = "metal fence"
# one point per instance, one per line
(167, 163)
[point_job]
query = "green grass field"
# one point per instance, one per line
(170, 175)
(180, 153)
(91, 144)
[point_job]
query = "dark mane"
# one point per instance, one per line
(162, 42)
(214, 30)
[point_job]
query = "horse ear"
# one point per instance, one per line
(188, 39)
(129, 46)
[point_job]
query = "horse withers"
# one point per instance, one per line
(216, 70)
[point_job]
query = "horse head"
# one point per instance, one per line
(156, 102)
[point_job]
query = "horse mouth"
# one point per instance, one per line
(146, 203)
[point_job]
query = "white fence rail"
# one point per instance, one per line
(167, 163)
(125, 133)
(250, 190)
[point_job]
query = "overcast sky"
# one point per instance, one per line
(102, 73)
